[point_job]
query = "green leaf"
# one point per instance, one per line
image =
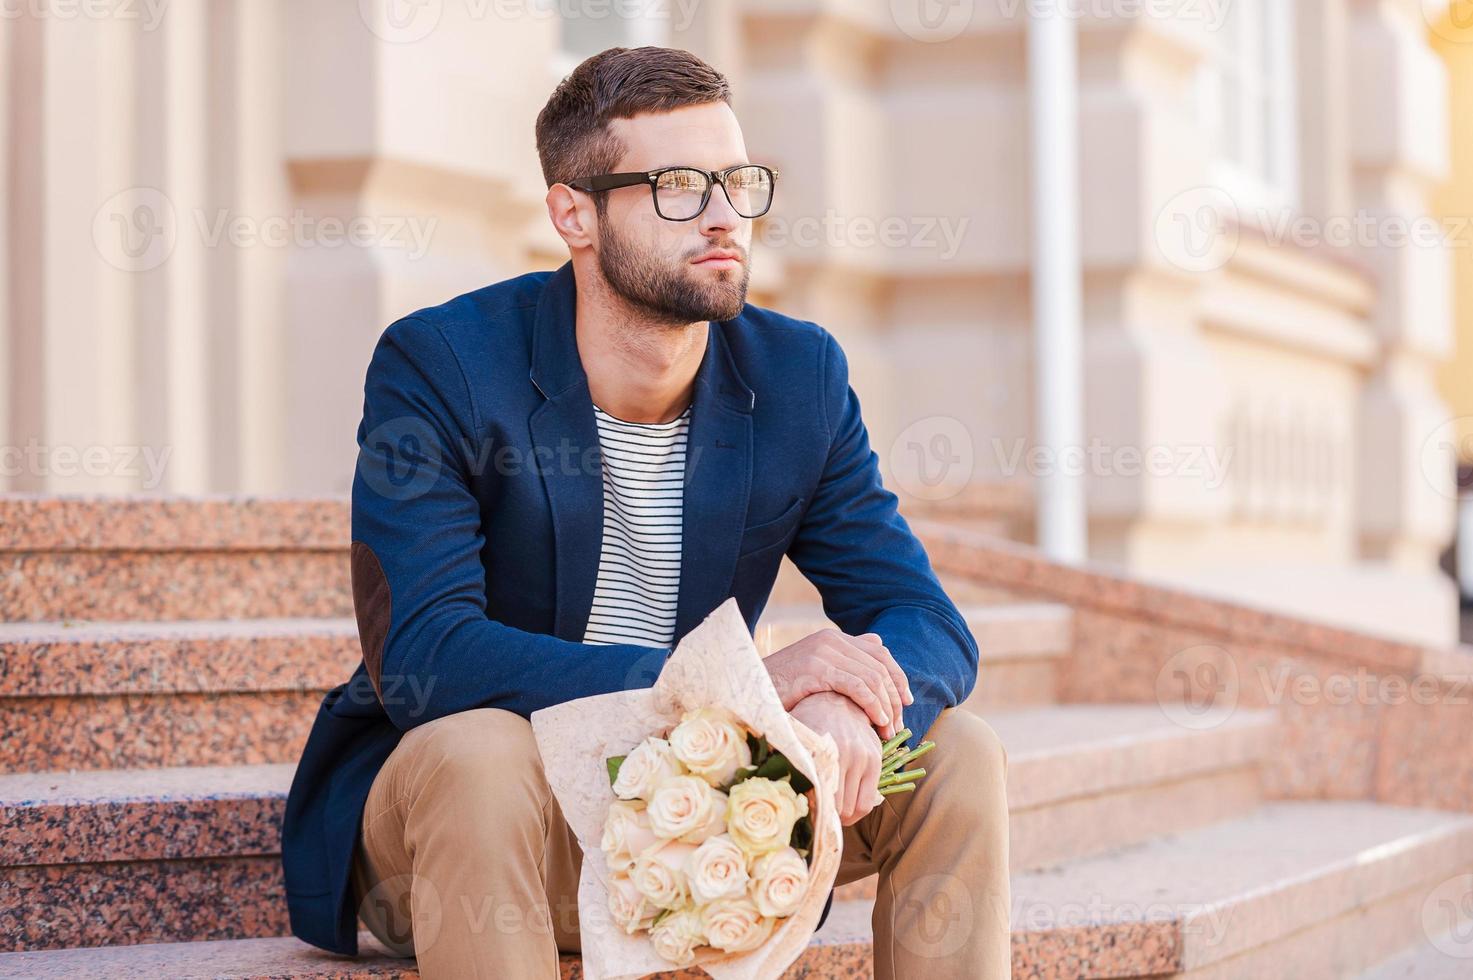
(614, 762)
(742, 775)
(764, 750)
(802, 836)
(776, 766)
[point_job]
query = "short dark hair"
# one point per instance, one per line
(573, 138)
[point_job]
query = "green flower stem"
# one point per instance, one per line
(885, 760)
(909, 776)
(922, 749)
(895, 743)
(894, 756)
(899, 762)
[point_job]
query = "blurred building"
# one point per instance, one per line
(213, 207)
(1453, 41)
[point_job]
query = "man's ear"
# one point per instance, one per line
(572, 215)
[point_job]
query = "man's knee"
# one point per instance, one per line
(970, 743)
(470, 757)
(464, 729)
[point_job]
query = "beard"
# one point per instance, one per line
(673, 293)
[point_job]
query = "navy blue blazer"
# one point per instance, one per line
(477, 518)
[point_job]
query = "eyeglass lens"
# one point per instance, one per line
(679, 193)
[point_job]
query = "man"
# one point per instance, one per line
(562, 474)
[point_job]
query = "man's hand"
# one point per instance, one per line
(859, 749)
(858, 667)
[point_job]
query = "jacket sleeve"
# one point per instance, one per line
(419, 587)
(872, 572)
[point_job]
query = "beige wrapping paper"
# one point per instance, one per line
(714, 665)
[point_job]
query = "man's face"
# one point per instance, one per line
(664, 268)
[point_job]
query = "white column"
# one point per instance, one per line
(1058, 345)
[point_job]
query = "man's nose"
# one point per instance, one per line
(719, 214)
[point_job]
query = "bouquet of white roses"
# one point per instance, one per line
(708, 841)
(706, 814)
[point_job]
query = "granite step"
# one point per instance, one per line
(1083, 778)
(140, 558)
(1442, 958)
(144, 855)
(141, 694)
(834, 952)
(219, 692)
(1294, 889)
(238, 959)
(162, 585)
(184, 853)
(1445, 949)
(211, 557)
(74, 658)
(1072, 759)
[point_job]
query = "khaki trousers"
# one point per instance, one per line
(467, 864)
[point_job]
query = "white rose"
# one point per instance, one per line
(687, 808)
(676, 937)
(717, 869)
(734, 925)
(659, 874)
(760, 814)
(711, 743)
(626, 833)
(779, 879)
(650, 761)
(631, 910)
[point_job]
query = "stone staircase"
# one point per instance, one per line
(161, 661)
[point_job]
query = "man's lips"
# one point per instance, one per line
(720, 260)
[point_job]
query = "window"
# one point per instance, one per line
(1247, 103)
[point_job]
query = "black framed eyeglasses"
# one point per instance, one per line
(682, 193)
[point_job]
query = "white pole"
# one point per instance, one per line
(1058, 345)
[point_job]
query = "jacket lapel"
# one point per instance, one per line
(718, 482)
(718, 470)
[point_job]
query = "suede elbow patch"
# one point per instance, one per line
(373, 606)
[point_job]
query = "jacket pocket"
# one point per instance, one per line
(757, 537)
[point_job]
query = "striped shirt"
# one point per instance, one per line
(638, 584)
